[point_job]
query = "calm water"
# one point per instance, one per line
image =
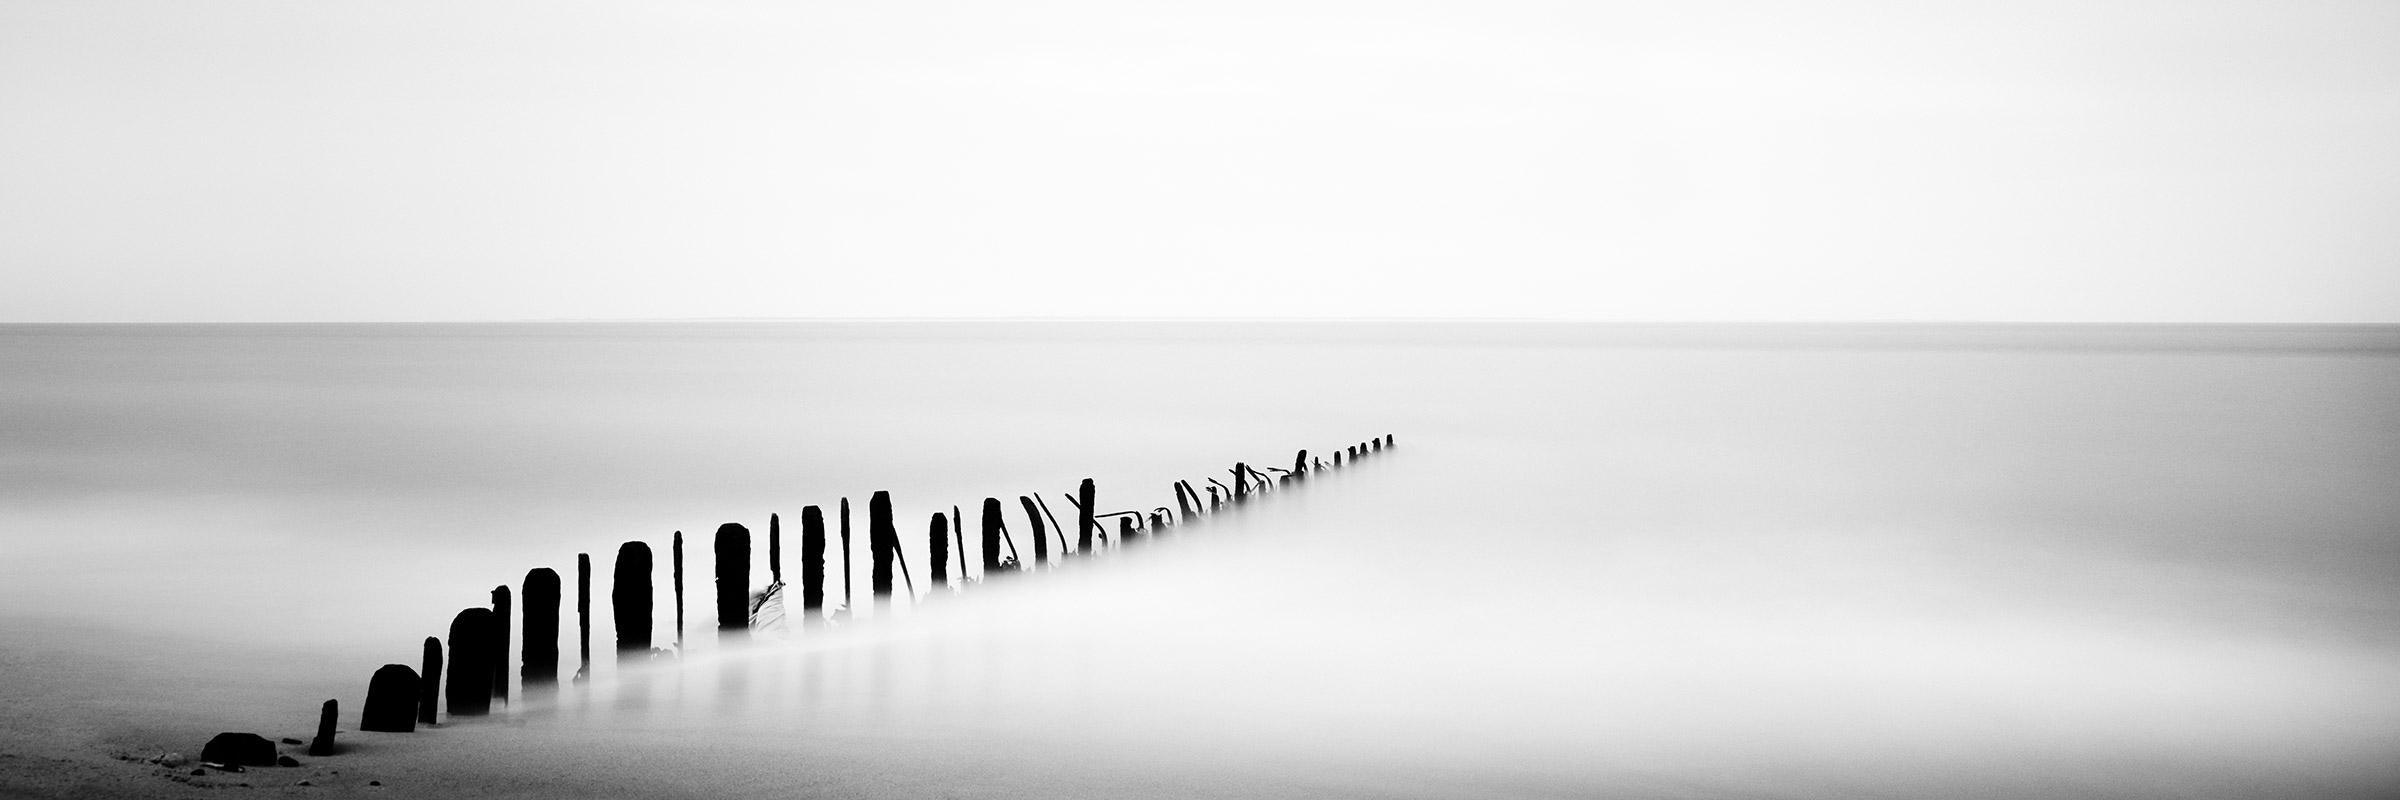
(1648, 561)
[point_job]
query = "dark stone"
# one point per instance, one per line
(991, 537)
(290, 740)
(239, 749)
(733, 581)
(288, 761)
(540, 654)
(937, 537)
(1085, 524)
(502, 605)
(812, 563)
(391, 700)
(882, 539)
(470, 689)
(630, 597)
(1041, 537)
(429, 683)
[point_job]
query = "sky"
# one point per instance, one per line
(329, 160)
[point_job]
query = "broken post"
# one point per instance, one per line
(470, 689)
(1241, 483)
(429, 685)
(1084, 524)
(937, 535)
(629, 597)
(882, 539)
(1182, 505)
(812, 563)
(500, 612)
(391, 705)
(1300, 466)
(323, 744)
(733, 581)
(1125, 530)
(540, 656)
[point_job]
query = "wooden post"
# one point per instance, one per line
(583, 615)
(678, 556)
(391, 705)
(1300, 466)
(1182, 505)
(323, 744)
(470, 689)
(429, 685)
(937, 535)
(812, 564)
(629, 596)
(1084, 523)
(882, 539)
(500, 615)
(733, 581)
(1241, 483)
(1041, 540)
(849, 597)
(1053, 518)
(1215, 500)
(540, 657)
(1125, 530)
(958, 533)
(774, 549)
(991, 537)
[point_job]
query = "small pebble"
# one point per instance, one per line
(303, 782)
(374, 783)
(172, 759)
(290, 740)
(286, 761)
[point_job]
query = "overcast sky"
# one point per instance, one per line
(339, 160)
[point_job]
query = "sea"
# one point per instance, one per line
(1597, 560)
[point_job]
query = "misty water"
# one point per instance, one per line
(1602, 560)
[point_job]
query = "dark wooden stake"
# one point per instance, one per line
(678, 556)
(1084, 525)
(1041, 539)
(630, 596)
(774, 549)
(733, 581)
(849, 598)
(991, 537)
(323, 744)
(882, 539)
(500, 613)
(812, 563)
(391, 705)
(429, 685)
(540, 657)
(470, 689)
(937, 536)
(583, 615)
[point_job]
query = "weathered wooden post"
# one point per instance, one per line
(1215, 499)
(958, 533)
(774, 549)
(1241, 483)
(1182, 505)
(1084, 523)
(470, 689)
(1125, 530)
(937, 535)
(991, 537)
(391, 705)
(500, 615)
(733, 581)
(1300, 466)
(1378, 443)
(629, 596)
(1041, 539)
(323, 744)
(1337, 460)
(540, 657)
(1388, 441)
(882, 539)
(812, 564)
(583, 615)
(678, 593)
(429, 686)
(849, 597)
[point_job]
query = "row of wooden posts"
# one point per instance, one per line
(400, 697)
